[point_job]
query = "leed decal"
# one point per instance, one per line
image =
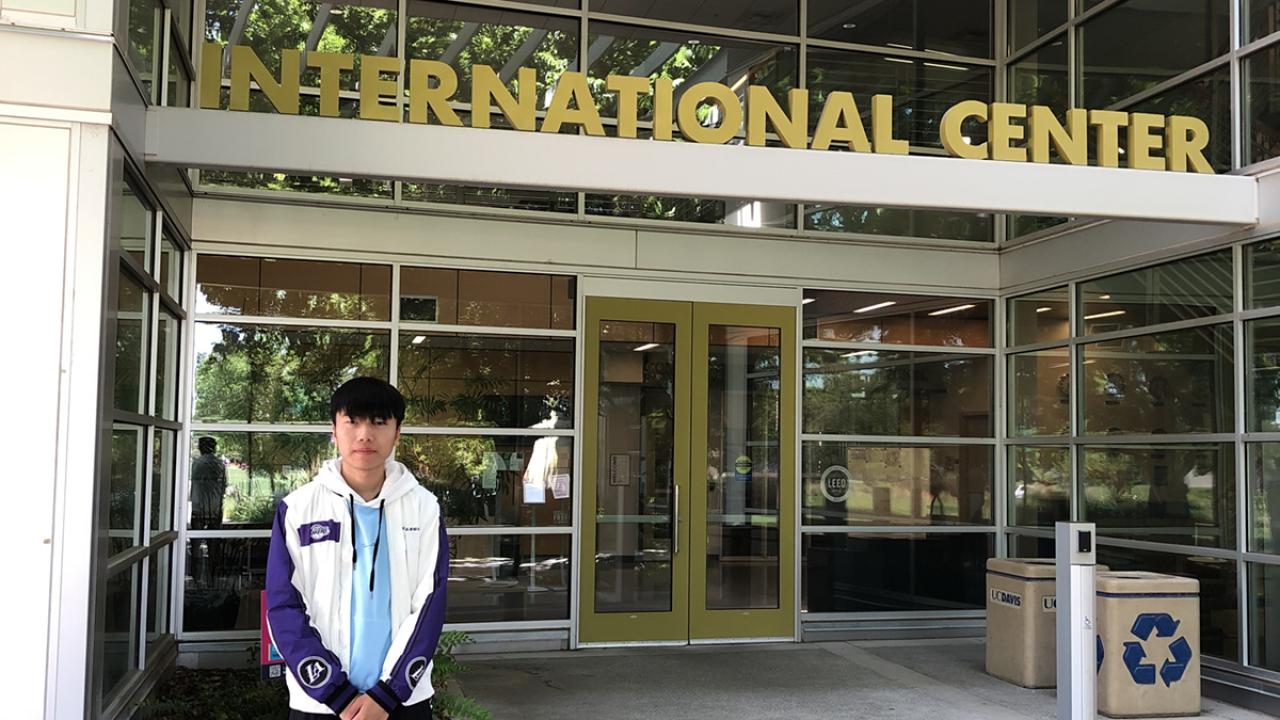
(1004, 597)
(1172, 670)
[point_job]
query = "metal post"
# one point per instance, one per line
(1077, 659)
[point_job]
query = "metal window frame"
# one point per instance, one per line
(394, 327)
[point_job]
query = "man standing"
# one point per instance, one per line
(356, 572)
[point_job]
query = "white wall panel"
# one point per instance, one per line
(34, 180)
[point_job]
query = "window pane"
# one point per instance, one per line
(363, 27)
(1262, 105)
(171, 266)
(1207, 97)
(158, 598)
(738, 213)
(483, 196)
(772, 16)
(958, 27)
(508, 578)
(896, 485)
(894, 572)
(505, 40)
(474, 297)
(1026, 546)
(144, 43)
(119, 630)
(179, 90)
(1174, 382)
(1219, 597)
(1182, 494)
(487, 381)
(131, 318)
(1029, 20)
(505, 480)
(168, 364)
(1177, 36)
(1039, 486)
(224, 579)
(896, 319)
(1181, 290)
(272, 287)
(1263, 381)
(1020, 225)
(742, 513)
(868, 392)
(685, 58)
(163, 460)
(1264, 498)
(922, 90)
(1041, 77)
(899, 222)
(1262, 17)
(238, 478)
(1264, 616)
(1040, 317)
(1262, 274)
(128, 453)
(1040, 393)
(274, 374)
(284, 182)
(135, 226)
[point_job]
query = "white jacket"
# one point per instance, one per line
(309, 570)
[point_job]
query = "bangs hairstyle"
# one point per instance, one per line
(367, 398)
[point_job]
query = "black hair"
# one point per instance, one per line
(207, 445)
(369, 398)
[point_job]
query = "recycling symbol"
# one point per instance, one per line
(1173, 668)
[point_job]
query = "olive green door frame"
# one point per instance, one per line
(687, 618)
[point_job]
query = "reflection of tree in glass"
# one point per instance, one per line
(450, 467)
(281, 374)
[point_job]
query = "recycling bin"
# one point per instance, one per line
(1149, 644)
(1021, 616)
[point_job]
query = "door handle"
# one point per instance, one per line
(676, 521)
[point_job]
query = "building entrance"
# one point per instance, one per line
(688, 510)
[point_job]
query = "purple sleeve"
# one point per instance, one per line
(412, 664)
(316, 669)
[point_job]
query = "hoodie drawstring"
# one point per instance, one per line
(377, 541)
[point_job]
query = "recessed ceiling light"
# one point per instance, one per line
(1104, 297)
(849, 26)
(1043, 309)
(1096, 316)
(806, 301)
(877, 306)
(646, 346)
(418, 339)
(945, 311)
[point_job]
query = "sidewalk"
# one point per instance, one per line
(911, 680)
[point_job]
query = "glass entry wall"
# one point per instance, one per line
(898, 454)
(688, 470)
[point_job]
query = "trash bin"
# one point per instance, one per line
(1021, 616)
(1149, 632)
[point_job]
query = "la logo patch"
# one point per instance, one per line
(417, 668)
(313, 672)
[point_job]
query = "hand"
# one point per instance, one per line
(363, 708)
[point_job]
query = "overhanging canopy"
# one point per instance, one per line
(507, 158)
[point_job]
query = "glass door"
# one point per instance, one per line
(743, 505)
(636, 471)
(689, 466)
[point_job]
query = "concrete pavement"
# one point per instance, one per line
(912, 680)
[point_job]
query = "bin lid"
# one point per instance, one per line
(1140, 582)
(1030, 568)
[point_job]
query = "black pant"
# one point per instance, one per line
(420, 711)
